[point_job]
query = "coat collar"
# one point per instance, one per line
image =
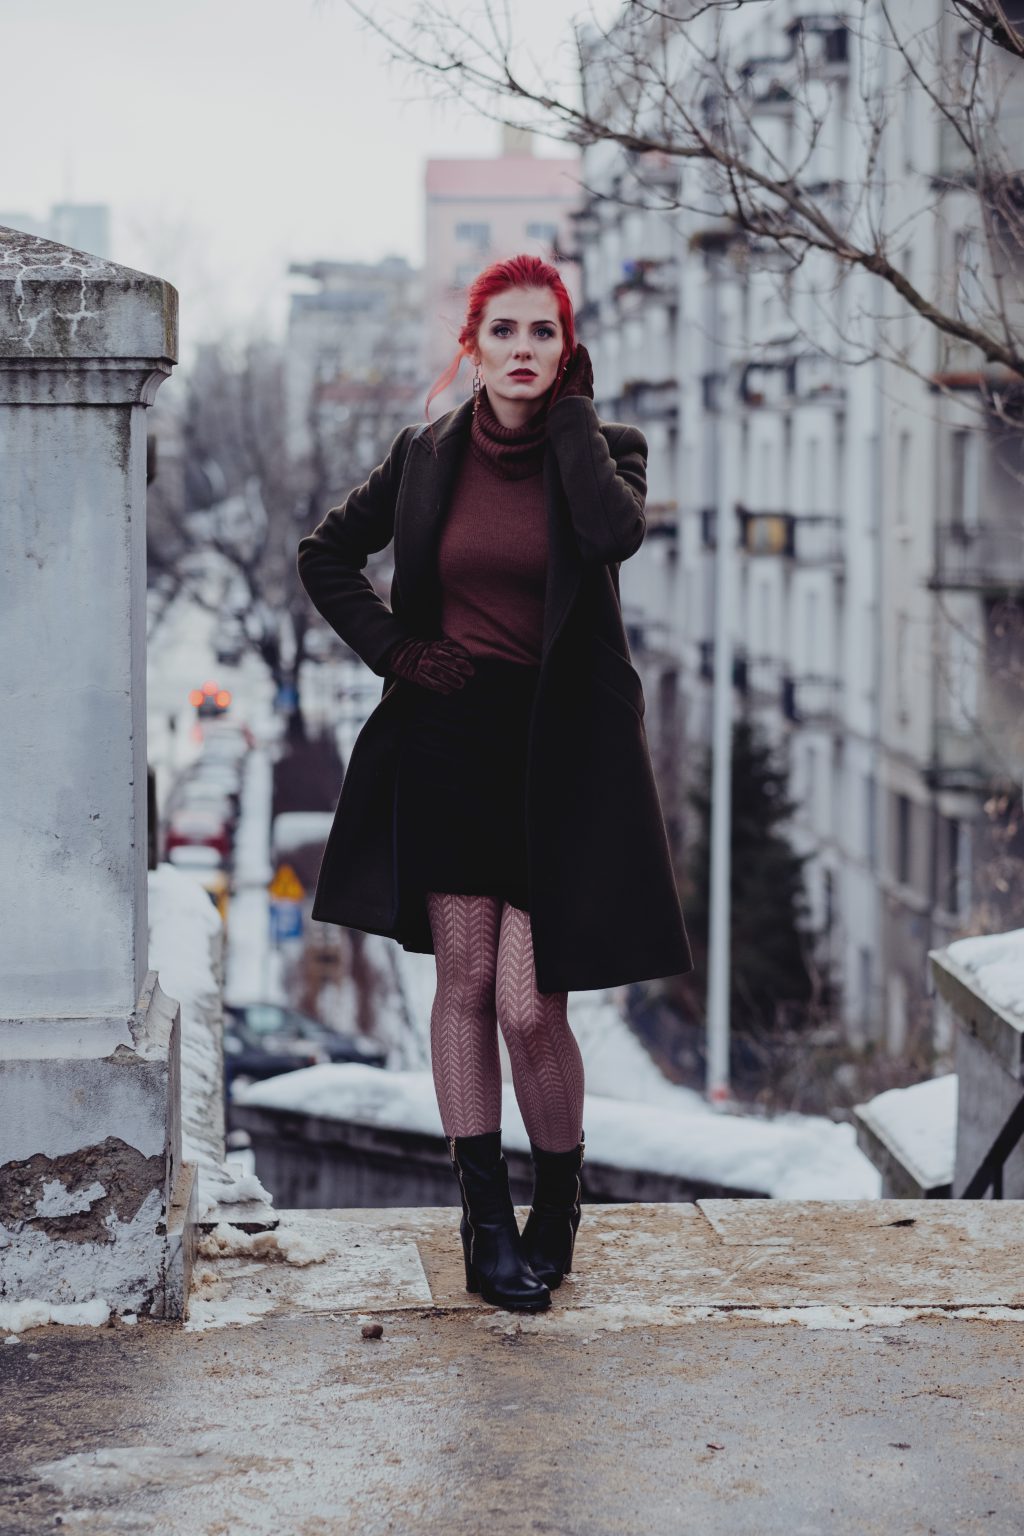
(449, 429)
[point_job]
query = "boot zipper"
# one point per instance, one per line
(465, 1199)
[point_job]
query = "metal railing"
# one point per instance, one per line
(982, 557)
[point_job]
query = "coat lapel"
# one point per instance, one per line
(427, 487)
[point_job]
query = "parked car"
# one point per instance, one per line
(197, 796)
(248, 1058)
(212, 777)
(276, 1026)
(203, 864)
(226, 739)
(229, 643)
(200, 828)
(210, 700)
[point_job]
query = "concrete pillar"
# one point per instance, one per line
(90, 1144)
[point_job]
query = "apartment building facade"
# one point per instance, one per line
(353, 367)
(482, 210)
(876, 569)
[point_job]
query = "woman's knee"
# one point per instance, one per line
(465, 930)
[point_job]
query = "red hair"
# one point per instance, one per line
(518, 272)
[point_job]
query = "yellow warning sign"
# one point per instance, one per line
(286, 885)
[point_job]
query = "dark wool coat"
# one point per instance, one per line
(604, 907)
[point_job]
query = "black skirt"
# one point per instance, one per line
(462, 784)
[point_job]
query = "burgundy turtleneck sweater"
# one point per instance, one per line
(493, 551)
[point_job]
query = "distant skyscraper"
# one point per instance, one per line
(480, 210)
(83, 226)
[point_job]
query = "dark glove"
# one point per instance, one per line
(443, 665)
(578, 378)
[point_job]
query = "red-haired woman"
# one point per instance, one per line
(499, 809)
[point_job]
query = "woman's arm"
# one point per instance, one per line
(606, 494)
(332, 557)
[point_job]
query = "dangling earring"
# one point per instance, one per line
(477, 386)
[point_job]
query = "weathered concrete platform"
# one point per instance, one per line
(736, 1367)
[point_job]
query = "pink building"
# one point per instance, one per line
(478, 211)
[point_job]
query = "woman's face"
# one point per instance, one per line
(519, 346)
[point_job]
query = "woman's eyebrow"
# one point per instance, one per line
(499, 321)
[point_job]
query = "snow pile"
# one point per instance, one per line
(299, 829)
(794, 1157)
(186, 948)
(919, 1124)
(245, 1187)
(224, 1241)
(19, 1315)
(995, 963)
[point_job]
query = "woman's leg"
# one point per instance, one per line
(547, 1068)
(463, 1031)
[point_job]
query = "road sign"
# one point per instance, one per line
(286, 885)
(285, 921)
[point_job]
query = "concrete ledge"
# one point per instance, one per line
(182, 1238)
(90, 1161)
(311, 1162)
(910, 1136)
(838, 1263)
(994, 1026)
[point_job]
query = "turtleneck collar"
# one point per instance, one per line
(511, 452)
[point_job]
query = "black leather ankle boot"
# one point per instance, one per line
(491, 1245)
(549, 1235)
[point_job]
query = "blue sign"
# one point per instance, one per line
(285, 921)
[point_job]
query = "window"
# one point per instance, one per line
(829, 900)
(547, 233)
(902, 667)
(465, 273)
(957, 896)
(867, 984)
(964, 483)
(812, 475)
(902, 477)
(970, 291)
(908, 316)
(903, 815)
(478, 234)
(870, 820)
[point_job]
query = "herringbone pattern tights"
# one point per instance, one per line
(486, 978)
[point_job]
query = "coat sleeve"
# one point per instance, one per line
(331, 561)
(606, 493)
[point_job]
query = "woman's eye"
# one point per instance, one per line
(500, 330)
(545, 334)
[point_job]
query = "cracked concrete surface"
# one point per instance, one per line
(671, 1388)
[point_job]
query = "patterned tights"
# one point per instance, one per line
(486, 977)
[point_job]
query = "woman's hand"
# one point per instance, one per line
(441, 665)
(578, 378)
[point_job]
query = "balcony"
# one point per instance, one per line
(785, 380)
(811, 699)
(740, 667)
(812, 538)
(963, 758)
(979, 559)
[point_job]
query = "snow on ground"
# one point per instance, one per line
(16, 1316)
(995, 962)
(185, 948)
(253, 965)
(919, 1122)
(793, 1157)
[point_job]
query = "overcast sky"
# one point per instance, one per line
(232, 136)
